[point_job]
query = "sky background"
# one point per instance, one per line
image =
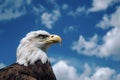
(90, 30)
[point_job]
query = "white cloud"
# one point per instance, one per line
(2, 65)
(103, 74)
(86, 47)
(109, 48)
(104, 24)
(117, 77)
(99, 5)
(11, 9)
(78, 11)
(112, 20)
(111, 45)
(86, 73)
(48, 19)
(63, 71)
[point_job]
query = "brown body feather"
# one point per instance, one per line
(36, 71)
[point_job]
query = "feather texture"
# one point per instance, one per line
(36, 71)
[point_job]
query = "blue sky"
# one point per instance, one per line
(90, 30)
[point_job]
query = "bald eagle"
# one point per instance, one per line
(32, 61)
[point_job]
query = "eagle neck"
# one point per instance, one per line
(29, 55)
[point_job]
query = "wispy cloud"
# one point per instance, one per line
(62, 68)
(39, 9)
(11, 9)
(70, 29)
(78, 11)
(52, 60)
(65, 6)
(48, 19)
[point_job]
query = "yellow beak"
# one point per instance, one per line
(53, 39)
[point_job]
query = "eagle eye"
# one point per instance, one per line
(41, 36)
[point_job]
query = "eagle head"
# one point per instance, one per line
(34, 45)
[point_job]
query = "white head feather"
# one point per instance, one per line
(32, 48)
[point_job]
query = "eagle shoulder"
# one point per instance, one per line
(36, 71)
